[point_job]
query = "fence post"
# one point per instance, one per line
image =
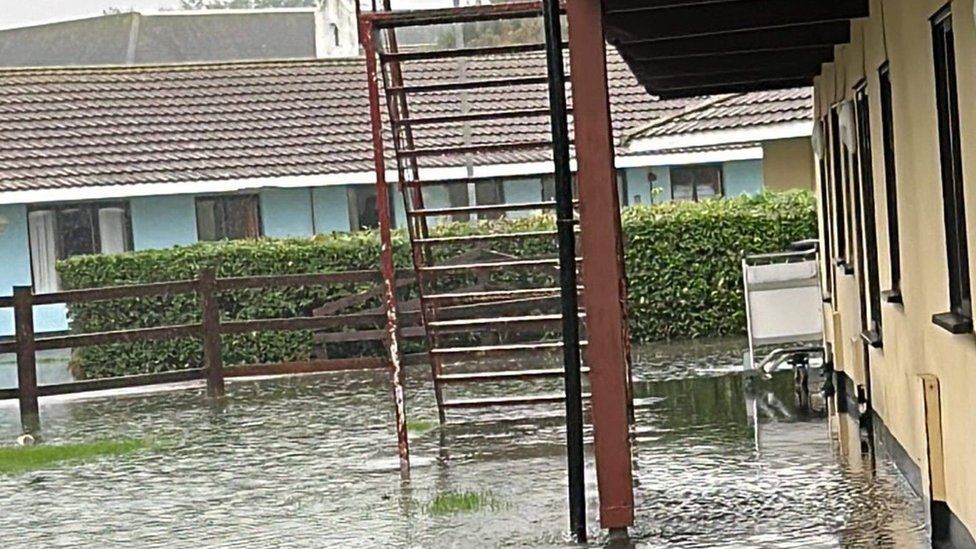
(210, 324)
(26, 358)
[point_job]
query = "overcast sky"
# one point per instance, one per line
(20, 13)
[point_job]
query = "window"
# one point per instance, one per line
(959, 317)
(63, 231)
(228, 217)
(840, 197)
(696, 182)
(826, 212)
(363, 213)
(487, 193)
(891, 188)
(872, 329)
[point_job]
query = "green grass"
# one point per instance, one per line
(449, 503)
(15, 460)
(420, 426)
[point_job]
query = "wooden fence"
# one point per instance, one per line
(26, 343)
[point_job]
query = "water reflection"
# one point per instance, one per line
(311, 461)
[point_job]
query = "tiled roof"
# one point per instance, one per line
(96, 126)
(733, 111)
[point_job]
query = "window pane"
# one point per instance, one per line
(77, 232)
(113, 230)
(682, 184)
(708, 182)
(487, 193)
(240, 217)
(43, 250)
(457, 197)
(207, 220)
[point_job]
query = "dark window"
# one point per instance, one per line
(853, 175)
(228, 217)
(870, 262)
(826, 211)
(696, 182)
(891, 187)
(363, 213)
(63, 231)
(840, 197)
(951, 160)
(489, 192)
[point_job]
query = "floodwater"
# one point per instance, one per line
(310, 462)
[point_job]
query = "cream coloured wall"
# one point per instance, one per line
(899, 31)
(788, 164)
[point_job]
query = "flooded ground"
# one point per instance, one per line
(310, 462)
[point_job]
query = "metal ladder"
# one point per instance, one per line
(491, 310)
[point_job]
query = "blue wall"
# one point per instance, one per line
(16, 271)
(639, 186)
(331, 208)
(163, 221)
(286, 212)
(742, 177)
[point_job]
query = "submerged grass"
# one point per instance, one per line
(21, 460)
(449, 503)
(420, 426)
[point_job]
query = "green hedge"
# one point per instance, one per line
(682, 265)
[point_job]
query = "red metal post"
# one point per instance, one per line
(604, 282)
(386, 246)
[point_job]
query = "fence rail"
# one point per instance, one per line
(26, 343)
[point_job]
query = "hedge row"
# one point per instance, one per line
(682, 267)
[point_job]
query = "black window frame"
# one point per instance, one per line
(220, 201)
(826, 212)
(893, 294)
(959, 318)
(871, 323)
(840, 194)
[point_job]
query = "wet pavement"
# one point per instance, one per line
(311, 462)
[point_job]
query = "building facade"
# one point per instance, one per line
(896, 143)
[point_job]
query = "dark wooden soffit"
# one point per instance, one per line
(693, 47)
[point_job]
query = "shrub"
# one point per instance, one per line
(682, 266)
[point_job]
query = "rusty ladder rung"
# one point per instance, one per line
(511, 348)
(484, 237)
(455, 53)
(507, 375)
(507, 401)
(468, 298)
(484, 208)
(461, 85)
(472, 117)
(461, 14)
(499, 321)
(480, 148)
(493, 265)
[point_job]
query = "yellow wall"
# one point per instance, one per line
(912, 344)
(788, 164)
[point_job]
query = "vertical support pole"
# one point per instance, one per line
(567, 269)
(212, 359)
(26, 359)
(604, 281)
(386, 248)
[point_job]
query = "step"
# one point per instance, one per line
(491, 350)
(454, 53)
(484, 237)
(507, 401)
(505, 376)
(475, 149)
(464, 14)
(472, 117)
(509, 264)
(483, 208)
(498, 321)
(461, 85)
(461, 298)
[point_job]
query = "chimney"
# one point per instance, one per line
(336, 29)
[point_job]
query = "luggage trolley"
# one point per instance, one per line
(784, 309)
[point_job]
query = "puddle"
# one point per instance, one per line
(310, 462)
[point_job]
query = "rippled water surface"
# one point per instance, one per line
(310, 462)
